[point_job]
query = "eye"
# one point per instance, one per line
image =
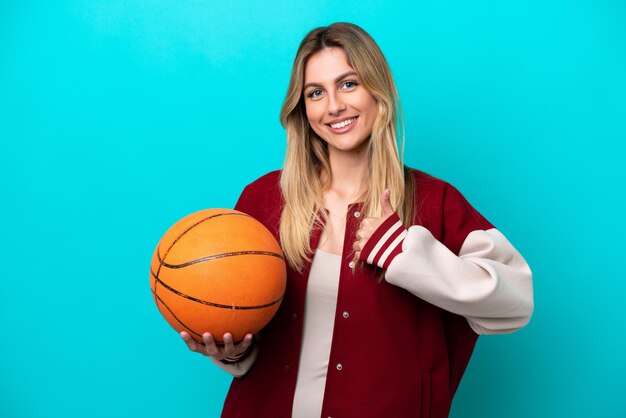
(349, 85)
(314, 94)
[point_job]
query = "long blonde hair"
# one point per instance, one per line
(306, 160)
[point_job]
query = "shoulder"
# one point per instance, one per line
(265, 187)
(429, 189)
(442, 208)
(435, 189)
(266, 182)
(263, 199)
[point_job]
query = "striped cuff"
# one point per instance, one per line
(385, 243)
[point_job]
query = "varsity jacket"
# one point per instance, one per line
(400, 346)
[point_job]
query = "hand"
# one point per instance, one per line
(229, 351)
(369, 225)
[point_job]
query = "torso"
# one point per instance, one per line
(368, 313)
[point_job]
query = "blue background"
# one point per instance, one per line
(117, 118)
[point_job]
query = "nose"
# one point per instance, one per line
(335, 104)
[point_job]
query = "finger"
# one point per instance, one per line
(245, 343)
(366, 231)
(191, 343)
(357, 254)
(210, 349)
(356, 246)
(385, 202)
(229, 347)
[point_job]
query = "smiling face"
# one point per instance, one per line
(339, 109)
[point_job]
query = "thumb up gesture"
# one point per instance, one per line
(379, 240)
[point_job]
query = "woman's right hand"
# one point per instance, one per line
(230, 352)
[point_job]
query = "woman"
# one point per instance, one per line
(392, 275)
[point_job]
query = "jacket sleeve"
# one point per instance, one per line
(475, 272)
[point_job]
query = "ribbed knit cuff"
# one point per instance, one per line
(385, 243)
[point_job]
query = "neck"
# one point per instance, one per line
(348, 173)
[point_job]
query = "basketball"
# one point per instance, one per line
(218, 270)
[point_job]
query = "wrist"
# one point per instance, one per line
(238, 357)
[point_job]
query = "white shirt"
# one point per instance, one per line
(319, 320)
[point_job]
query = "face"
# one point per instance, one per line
(339, 109)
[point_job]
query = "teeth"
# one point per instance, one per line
(342, 124)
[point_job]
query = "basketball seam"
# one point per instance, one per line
(205, 302)
(216, 256)
(174, 315)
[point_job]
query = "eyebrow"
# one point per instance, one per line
(338, 79)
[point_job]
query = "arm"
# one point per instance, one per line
(488, 282)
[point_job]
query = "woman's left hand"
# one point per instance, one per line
(369, 225)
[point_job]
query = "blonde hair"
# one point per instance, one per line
(306, 160)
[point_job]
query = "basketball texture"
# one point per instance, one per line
(218, 270)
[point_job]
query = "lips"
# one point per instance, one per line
(343, 125)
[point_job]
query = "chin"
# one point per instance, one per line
(353, 147)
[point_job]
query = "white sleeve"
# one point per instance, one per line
(489, 282)
(242, 367)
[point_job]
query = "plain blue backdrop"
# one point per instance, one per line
(119, 117)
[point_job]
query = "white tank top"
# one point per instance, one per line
(319, 321)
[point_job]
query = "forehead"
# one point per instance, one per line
(325, 65)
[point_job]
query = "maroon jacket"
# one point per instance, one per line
(393, 354)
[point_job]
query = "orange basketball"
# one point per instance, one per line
(218, 270)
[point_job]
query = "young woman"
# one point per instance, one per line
(392, 275)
